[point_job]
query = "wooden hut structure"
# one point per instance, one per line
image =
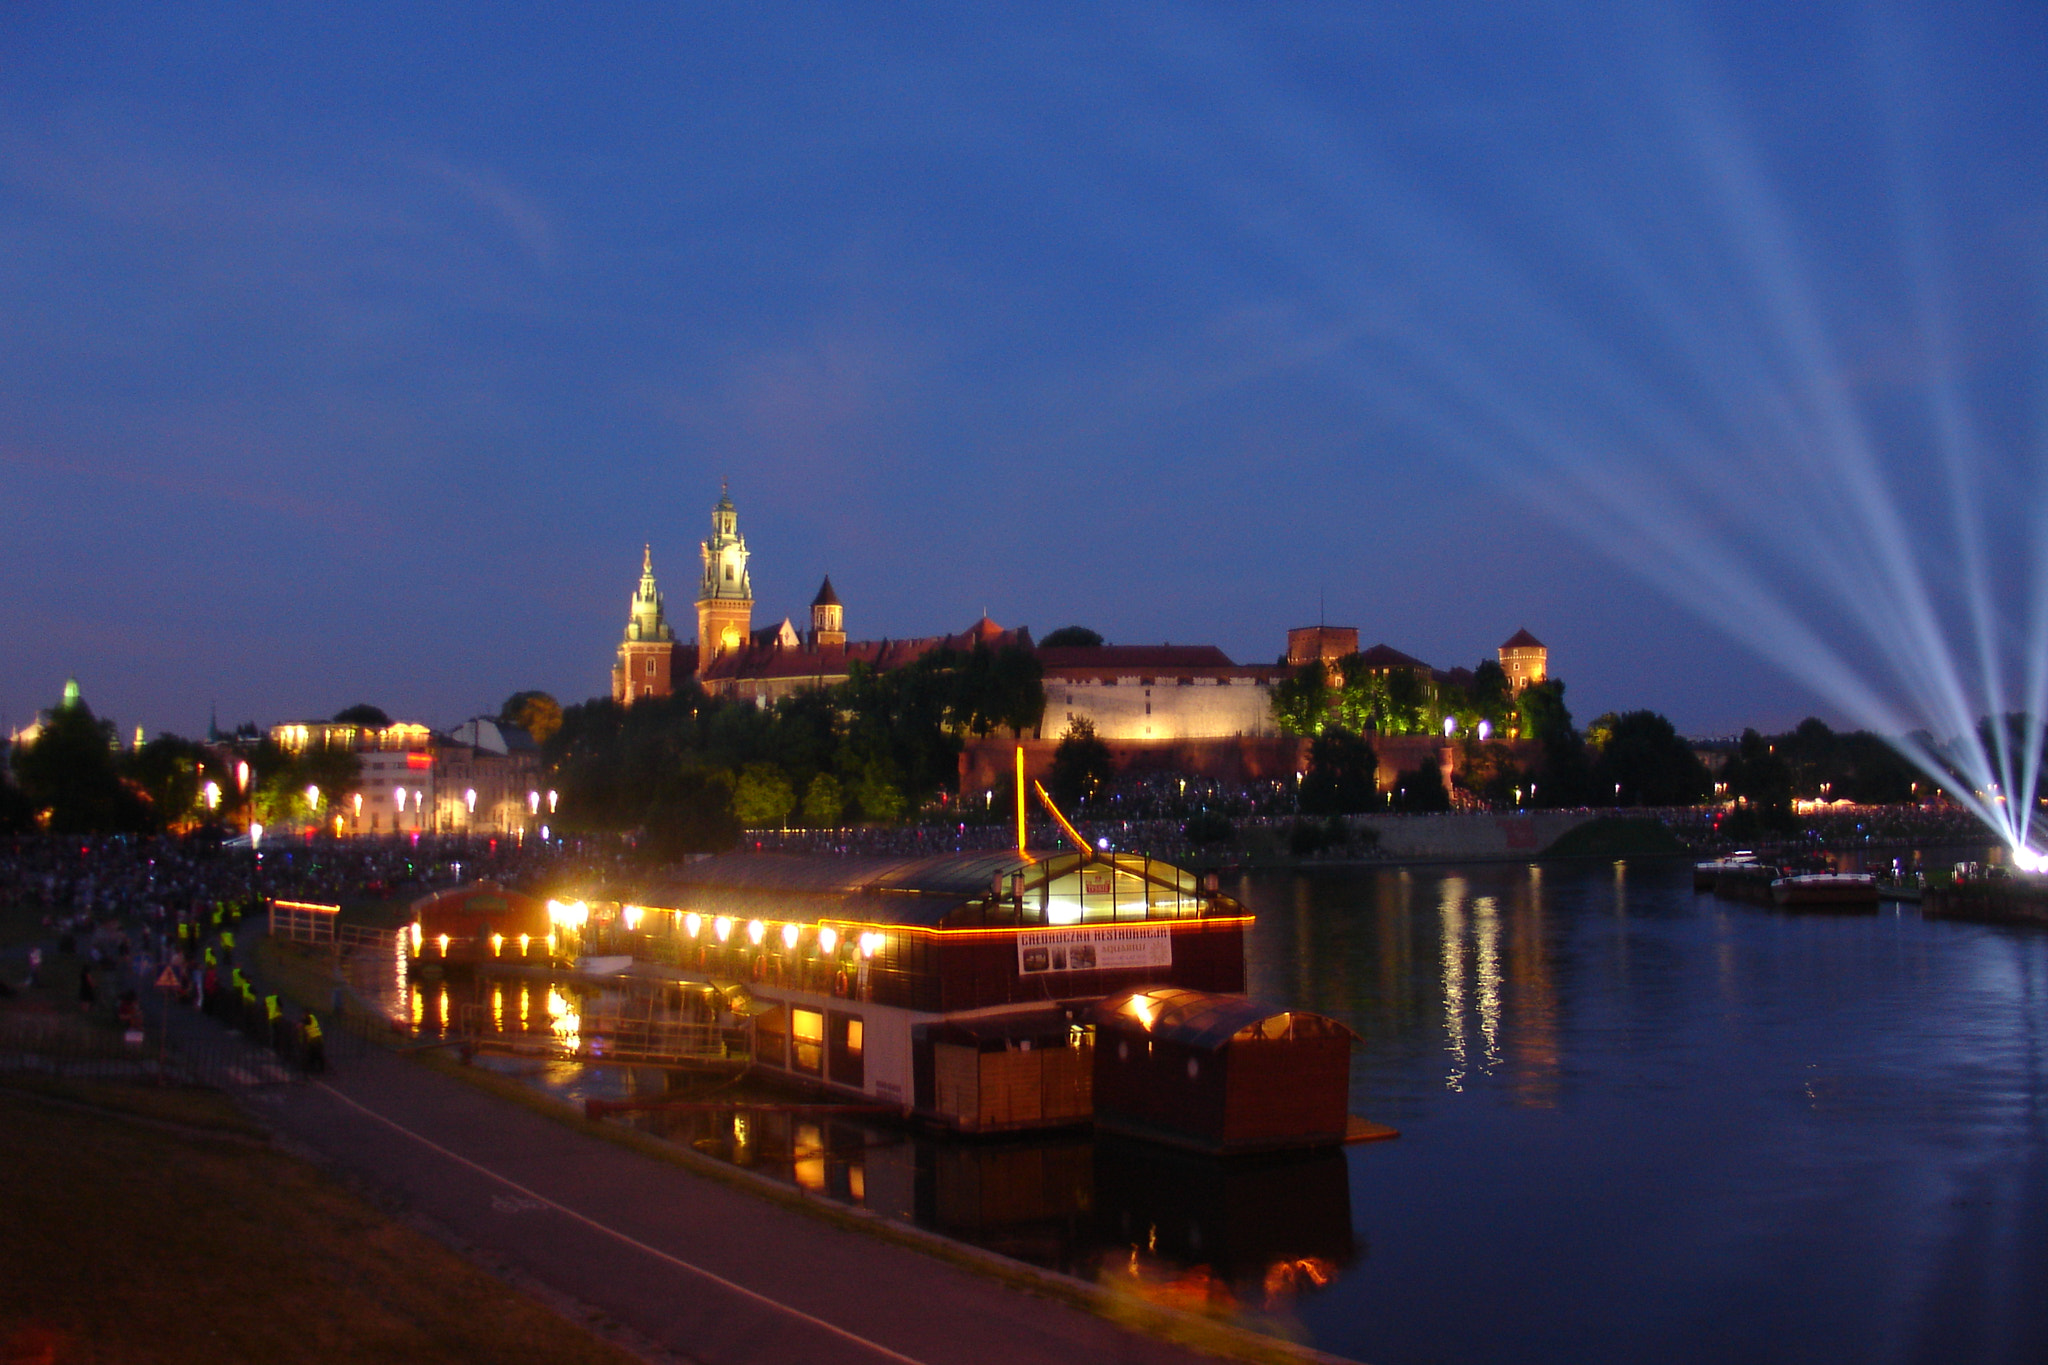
(1220, 1073)
(479, 922)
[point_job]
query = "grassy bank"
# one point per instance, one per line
(134, 1242)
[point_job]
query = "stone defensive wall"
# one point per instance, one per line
(1462, 837)
(987, 763)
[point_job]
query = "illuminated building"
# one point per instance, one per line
(1525, 660)
(725, 601)
(646, 665)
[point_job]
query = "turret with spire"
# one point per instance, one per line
(646, 663)
(828, 617)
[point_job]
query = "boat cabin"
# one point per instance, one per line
(1220, 1073)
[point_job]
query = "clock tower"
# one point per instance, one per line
(725, 602)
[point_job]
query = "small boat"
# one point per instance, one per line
(1826, 890)
(604, 966)
(1707, 876)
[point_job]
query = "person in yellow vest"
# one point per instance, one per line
(211, 960)
(315, 1045)
(273, 1021)
(227, 939)
(252, 1010)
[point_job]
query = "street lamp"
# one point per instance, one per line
(551, 803)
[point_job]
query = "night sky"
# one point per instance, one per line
(351, 353)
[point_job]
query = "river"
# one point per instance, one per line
(1642, 1124)
(1637, 1124)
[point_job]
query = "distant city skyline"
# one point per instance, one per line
(356, 357)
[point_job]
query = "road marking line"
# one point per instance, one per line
(630, 1241)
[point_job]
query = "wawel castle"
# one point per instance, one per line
(1132, 694)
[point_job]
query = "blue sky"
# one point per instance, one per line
(352, 355)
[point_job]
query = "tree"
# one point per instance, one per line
(824, 802)
(1421, 789)
(1762, 780)
(1071, 637)
(166, 772)
(1081, 765)
(69, 775)
(1491, 699)
(362, 713)
(763, 796)
(1301, 701)
(1342, 769)
(537, 713)
(1650, 763)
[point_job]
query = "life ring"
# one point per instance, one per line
(760, 968)
(839, 984)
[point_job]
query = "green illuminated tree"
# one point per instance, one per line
(763, 796)
(824, 802)
(1301, 702)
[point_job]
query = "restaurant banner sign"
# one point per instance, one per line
(1100, 948)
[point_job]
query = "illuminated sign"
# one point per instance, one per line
(1103, 948)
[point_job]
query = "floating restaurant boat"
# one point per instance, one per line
(960, 989)
(957, 987)
(1826, 891)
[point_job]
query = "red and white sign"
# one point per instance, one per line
(1094, 948)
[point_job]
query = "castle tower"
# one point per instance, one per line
(646, 665)
(828, 618)
(725, 602)
(1525, 660)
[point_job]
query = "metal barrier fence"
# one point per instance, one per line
(303, 922)
(193, 1053)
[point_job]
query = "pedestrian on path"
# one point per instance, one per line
(88, 992)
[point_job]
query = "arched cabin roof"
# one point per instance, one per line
(935, 891)
(1207, 1021)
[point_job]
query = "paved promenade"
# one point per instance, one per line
(707, 1272)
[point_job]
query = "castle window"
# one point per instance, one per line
(650, 668)
(728, 573)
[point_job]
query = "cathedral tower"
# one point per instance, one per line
(725, 603)
(646, 666)
(828, 618)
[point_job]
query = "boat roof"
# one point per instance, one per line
(1201, 1019)
(918, 891)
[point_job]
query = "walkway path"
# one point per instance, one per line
(711, 1273)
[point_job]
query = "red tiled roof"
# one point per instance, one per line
(1522, 639)
(1386, 656)
(770, 661)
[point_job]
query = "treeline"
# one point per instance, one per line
(76, 777)
(1635, 758)
(689, 771)
(1363, 699)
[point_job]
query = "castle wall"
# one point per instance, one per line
(1165, 708)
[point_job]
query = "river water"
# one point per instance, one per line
(1642, 1124)
(1638, 1124)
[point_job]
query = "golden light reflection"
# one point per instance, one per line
(1452, 912)
(810, 1157)
(1486, 927)
(497, 1009)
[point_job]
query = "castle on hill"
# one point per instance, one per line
(1135, 694)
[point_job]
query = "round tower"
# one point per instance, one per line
(1525, 660)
